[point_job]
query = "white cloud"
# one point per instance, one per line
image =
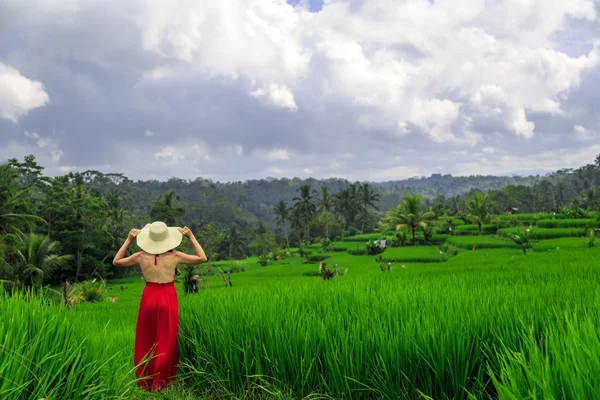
(275, 170)
(548, 161)
(19, 94)
(396, 76)
(278, 95)
(462, 47)
(169, 155)
(278, 154)
(335, 165)
(308, 171)
(40, 141)
(584, 133)
(45, 145)
(56, 156)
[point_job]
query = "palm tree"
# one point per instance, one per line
(282, 215)
(116, 216)
(409, 213)
(163, 210)
(367, 198)
(522, 238)
(305, 206)
(344, 204)
(37, 257)
(296, 222)
(589, 197)
(478, 210)
(13, 210)
(325, 207)
(237, 242)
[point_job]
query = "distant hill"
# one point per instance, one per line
(247, 203)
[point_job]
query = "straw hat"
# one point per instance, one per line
(158, 238)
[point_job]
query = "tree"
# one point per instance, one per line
(282, 215)
(78, 218)
(264, 244)
(478, 210)
(589, 197)
(305, 206)
(36, 258)
(409, 214)
(29, 171)
(163, 210)
(237, 243)
(522, 238)
(211, 239)
(116, 217)
(367, 198)
(344, 204)
(325, 207)
(15, 208)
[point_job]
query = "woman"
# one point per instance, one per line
(156, 352)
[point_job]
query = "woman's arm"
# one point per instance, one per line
(199, 258)
(119, 261)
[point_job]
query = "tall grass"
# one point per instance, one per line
(50, 352)
(443, 333)
(559, 366)
(485, 324)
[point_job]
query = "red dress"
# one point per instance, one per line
(156, 351)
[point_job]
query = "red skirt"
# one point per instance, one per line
(156, 353)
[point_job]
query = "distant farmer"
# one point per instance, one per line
(156, 354)
(195, 281)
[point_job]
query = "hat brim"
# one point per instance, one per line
(153, 247)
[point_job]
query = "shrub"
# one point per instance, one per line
(373, 248)
(521, 237)
(237, 266)
(591, 239)
(263, 260)
(93, 292)
(448, 249)
(325, 244)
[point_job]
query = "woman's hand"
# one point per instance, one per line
(132, 234)
(186, 232)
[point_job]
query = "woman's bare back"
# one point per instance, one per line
(163, 271)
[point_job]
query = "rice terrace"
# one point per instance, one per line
(300, 199)
(448, 301)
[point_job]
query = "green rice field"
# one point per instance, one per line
(485, 324)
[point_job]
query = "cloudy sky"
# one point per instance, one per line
(242, 89)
